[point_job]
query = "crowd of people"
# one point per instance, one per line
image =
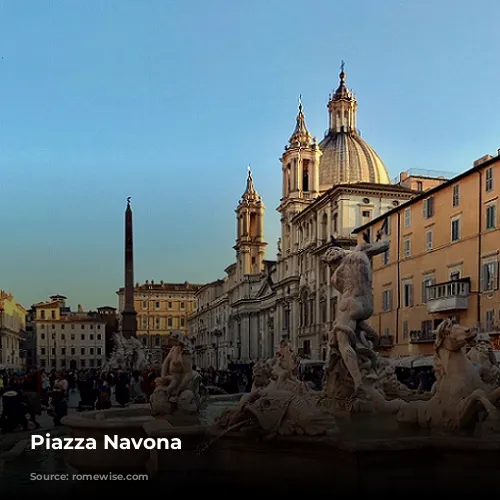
(37, 390)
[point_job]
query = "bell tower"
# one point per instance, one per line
(250, 245)
(300, 169)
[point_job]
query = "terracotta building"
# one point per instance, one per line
(161, 307)
(442, 262)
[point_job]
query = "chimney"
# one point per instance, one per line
(80, 308)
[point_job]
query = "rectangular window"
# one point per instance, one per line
(489, 179)
(429, 243)
(491, 216)
(405, 329)
(157, 305)
(407, 293)
(169, 322)
(387, 300)
(489, 276)
(456, 195)
(490, 320)
(407, 248)
(426, 283)
(455, 229)
(387, 225)
(426, 327)
(407, 217)
(385, 257)
(428, 208)
(420, 186)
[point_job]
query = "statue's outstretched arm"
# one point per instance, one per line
(372, 249)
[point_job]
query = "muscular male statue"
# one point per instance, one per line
(352, 277)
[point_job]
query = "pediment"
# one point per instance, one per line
(266, 288)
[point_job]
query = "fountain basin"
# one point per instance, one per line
(353, 465)
(126, 422)
(129, 422)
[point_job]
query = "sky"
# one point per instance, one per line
(169, 101)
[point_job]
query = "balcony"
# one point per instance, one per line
(422, 337)
(449, 296)
(386, 342)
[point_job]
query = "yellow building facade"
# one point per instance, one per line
(161, 307)
(12, 330)
(442, 261)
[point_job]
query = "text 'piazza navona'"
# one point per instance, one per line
(329, 189)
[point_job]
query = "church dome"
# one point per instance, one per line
(346, 157)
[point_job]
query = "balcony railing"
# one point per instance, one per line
(448, 296)
(422, 337)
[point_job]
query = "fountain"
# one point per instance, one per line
(362, 425)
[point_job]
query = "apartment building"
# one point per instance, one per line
(442, 261)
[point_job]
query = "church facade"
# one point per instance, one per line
(328, 189)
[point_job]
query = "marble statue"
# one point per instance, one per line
(461, 398)
(284, 369)
(352, 361)
(279, 403)
(270, 413)
(128, 354)
(178, 389)
(482, 355)
(390, 385)
(262, 376)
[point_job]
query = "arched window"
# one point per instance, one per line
(305, 175)
(324, 227)
(253, 225)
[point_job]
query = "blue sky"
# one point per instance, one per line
(168, 102)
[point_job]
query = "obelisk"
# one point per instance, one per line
(129, 320)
